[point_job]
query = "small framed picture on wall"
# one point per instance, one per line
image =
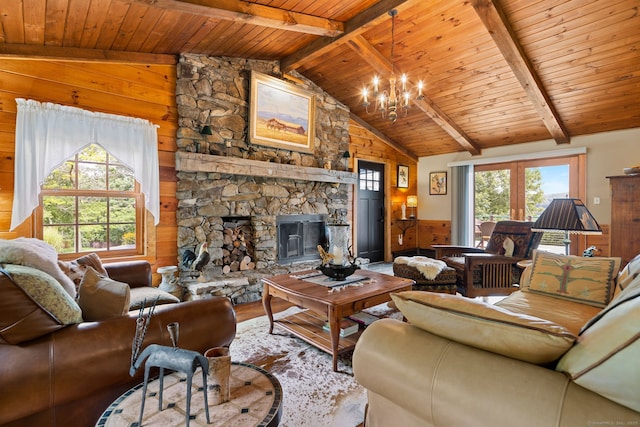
(403, 176)
(438, 183)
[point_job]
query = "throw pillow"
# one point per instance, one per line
(102, 298)
(37, 254)
(604, 358)
(33, 304)
(485, 326)
(76, 269)
(627, 274)
(581, 279)
(145, 296)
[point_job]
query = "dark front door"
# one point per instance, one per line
(371, 211)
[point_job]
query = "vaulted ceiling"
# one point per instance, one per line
(496, 72)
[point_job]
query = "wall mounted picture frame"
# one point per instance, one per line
(438, 183)
(403, 176)
(281, 114)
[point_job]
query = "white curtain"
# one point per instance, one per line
(48, 134)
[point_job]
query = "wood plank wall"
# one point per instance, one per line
(138, 90)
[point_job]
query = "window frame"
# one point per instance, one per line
(136, 194)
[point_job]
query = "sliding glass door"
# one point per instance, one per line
(521, 190)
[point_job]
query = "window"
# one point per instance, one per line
(370, 180)
(92, 203)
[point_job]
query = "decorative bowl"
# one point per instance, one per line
(338, 272)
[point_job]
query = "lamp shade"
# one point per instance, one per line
(412, 201)
(567, 216)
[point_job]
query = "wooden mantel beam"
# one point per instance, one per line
(251, 13)
(384, 67)
(195, 162)
(498, 26)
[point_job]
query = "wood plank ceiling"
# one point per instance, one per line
(497, 72)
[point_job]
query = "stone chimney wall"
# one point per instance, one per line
(215, 92)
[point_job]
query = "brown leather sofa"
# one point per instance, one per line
(70, 376)
(421, 373)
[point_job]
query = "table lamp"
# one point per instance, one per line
(412, 202)
(568, 216)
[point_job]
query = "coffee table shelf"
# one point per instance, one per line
(308, 326)
(327, 305)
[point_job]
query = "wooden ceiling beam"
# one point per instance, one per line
(382, 137)
(384, 67)
(498, 26)
(21, 51)
(352, 28)
(251, 13)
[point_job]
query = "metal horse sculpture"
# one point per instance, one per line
(177, 359)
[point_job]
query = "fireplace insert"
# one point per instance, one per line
(299, 237)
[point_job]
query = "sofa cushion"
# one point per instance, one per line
(33, 304)
(481, 325)
(76, 269)
(589, 280)
(146, 295)
(571, 315)
(605, 356)
(102, 298)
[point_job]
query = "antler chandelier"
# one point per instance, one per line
(389, 100)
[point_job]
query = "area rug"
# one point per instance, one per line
(313, 395)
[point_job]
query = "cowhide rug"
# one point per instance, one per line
(313, 395)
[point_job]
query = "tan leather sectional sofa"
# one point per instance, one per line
(550, 354)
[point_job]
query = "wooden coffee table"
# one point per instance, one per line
(327, 304)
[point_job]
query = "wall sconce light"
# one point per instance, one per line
(206, 130)
(412, 202)
(345, 158)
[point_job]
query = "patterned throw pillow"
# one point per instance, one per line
(588, 280)
(605, 356)
(628, 273)
(76, 269)
(47, 293)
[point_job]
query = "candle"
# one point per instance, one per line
(337, 255)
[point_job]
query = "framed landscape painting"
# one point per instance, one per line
(438, 183)
(281, 114)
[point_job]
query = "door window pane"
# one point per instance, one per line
(492, 195)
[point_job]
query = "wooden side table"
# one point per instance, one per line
(256, 400)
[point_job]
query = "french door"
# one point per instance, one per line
(521, 190)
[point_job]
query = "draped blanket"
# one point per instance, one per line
(428, 267)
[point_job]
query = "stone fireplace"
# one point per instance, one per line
(224, 180)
